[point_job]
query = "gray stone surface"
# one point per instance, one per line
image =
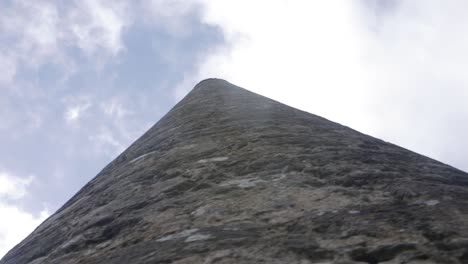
(228, 176)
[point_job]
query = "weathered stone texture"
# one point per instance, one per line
(228, 176)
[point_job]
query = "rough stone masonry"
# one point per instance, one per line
(229, 176)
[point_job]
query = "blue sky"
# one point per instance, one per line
(81, 80)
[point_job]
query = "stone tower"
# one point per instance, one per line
(229, 176)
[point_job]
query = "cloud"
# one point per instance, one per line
(13, 187)
(114, 107)
(98, 25)
(76, 107)
(34, 33)
(394, 70)
(74, 112)
(15, 223)
(33, 28)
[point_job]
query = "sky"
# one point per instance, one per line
(80, 80)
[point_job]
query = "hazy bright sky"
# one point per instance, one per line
(82, 79)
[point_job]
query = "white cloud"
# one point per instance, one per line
(33, 33)
(74, 112)
(98, 25)
(395, 73)
(15, 223)
(114, 107)
(32, 28)
(13, 187)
